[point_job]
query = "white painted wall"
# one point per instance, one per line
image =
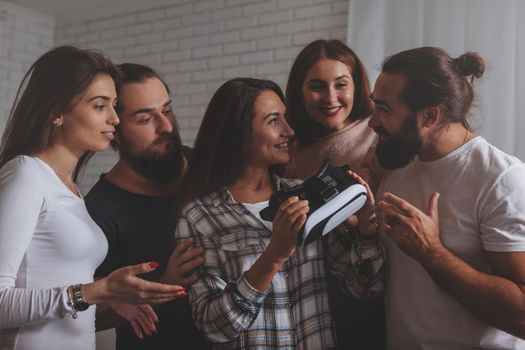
(24, 36)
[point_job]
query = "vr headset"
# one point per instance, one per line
(332, 195)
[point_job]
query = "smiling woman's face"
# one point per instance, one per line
(90, 124)
(328, 93)
(270, 133)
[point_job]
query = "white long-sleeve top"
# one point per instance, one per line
(48, 241)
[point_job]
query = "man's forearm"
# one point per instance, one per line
(495, 300)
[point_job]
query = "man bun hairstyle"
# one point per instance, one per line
(433, 78)
(470, 64)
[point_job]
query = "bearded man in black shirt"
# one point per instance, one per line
(131, 203)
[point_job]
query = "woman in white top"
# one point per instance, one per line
(49, 246)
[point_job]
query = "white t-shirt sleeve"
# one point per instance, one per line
(502, 216)
(21, 202)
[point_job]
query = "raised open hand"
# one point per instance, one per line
(413, 231)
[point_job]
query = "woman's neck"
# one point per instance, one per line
(321, 131)
(252, 186)
(62, 161)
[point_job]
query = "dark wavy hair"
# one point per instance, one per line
(50, 88)
(433, 78)
(134, 73)
(304, 126)
(217, 158)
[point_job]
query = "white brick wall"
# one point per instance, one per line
(195, 44)
(24, 36)
(198, 44)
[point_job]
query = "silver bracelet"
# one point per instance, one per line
(76, 300)
(70, 303)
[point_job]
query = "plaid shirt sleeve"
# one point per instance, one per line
(221, 309)
(358, 267)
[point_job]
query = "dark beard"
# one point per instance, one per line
(162, 168)
(399, 149)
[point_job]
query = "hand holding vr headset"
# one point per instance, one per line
(365, 219)
(318, 205)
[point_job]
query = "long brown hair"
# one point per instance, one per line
(50, 88)
(304, 126)
(218, 157)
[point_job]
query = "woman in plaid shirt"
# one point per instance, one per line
(258, 289)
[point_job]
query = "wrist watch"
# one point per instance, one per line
(76, 300)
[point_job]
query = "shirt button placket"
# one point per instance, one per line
(290, 304)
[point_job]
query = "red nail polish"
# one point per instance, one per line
(153, 264)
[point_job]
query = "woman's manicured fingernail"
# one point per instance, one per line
(153, 264)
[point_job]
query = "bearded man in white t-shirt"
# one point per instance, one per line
(452, 210)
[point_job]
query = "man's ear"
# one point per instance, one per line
(430, 116)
